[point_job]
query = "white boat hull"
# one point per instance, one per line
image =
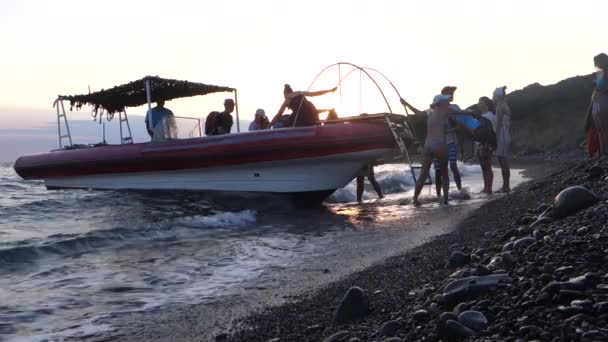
(290, 176)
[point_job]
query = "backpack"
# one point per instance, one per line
(210, 123)
(485, 133)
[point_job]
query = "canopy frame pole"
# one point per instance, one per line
(149, 98)
(236, 105)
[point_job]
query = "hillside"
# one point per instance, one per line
(544, 118)
(550, 118)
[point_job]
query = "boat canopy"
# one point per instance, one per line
(134, 94)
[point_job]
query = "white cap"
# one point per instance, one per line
(440, 98)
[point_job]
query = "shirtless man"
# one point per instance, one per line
(435, 146)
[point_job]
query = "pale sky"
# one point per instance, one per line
(63, 46)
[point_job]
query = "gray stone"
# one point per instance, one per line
(460, 308)
(393, 339)
(471, 287)
(221, 337)
(474, 320)
(481, 270)
(522, 243)
(453, 328)
(601, 308)
(595, 335)
(390, 328)
(422, 314)
(337, 336)
(441, 324)
(458, 259)
(354, 306)
(571, 200)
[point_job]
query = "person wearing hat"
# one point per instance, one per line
(220, 122)
(260, 121)
(435, 146)
(503, 135)
(452, 141)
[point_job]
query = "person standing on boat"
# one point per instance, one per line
(260, 122)
(155, 115)
(304, 112)
(503, 135)
(435, 146)
(219, 123)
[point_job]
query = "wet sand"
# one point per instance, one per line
(379, 234)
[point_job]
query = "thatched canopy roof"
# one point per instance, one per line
(133, 94)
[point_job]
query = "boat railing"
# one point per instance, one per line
(177, 127)
(188, 127)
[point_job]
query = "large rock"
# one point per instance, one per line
(453, 328)
(390, 328)
(474, 320)
(354, 306)
(569, 201)
(458, 259)
(471, 287)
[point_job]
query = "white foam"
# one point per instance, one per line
(393, 178)
(221, 219)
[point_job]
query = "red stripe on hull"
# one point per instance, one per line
(235, 149)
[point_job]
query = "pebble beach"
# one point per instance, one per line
(522, 267)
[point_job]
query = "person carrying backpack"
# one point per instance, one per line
(486, 141)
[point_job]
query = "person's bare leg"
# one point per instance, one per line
(490, 174)
(484, 173)
(443, 162)
(506, 173)
(456, 173)
(372, 179)
(359, 189)
(438, 182)
(424, 173)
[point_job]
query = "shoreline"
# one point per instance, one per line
(401, 286)
(162, 322)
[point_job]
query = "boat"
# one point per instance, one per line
(305, 163)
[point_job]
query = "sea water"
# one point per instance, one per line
(69, 260)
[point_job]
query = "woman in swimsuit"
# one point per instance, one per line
(503, 136)
(304, 112)
(599, 101)
(435, 146)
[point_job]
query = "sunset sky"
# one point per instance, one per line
(62, 47)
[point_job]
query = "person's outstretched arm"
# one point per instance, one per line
(412, 108)
(320, 92)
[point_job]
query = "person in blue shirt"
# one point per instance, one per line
(155, 115)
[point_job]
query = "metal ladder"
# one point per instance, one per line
(122, 117)
(401, 131)
(61, 115)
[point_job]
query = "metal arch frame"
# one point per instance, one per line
(386, 116)
(362, 69)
